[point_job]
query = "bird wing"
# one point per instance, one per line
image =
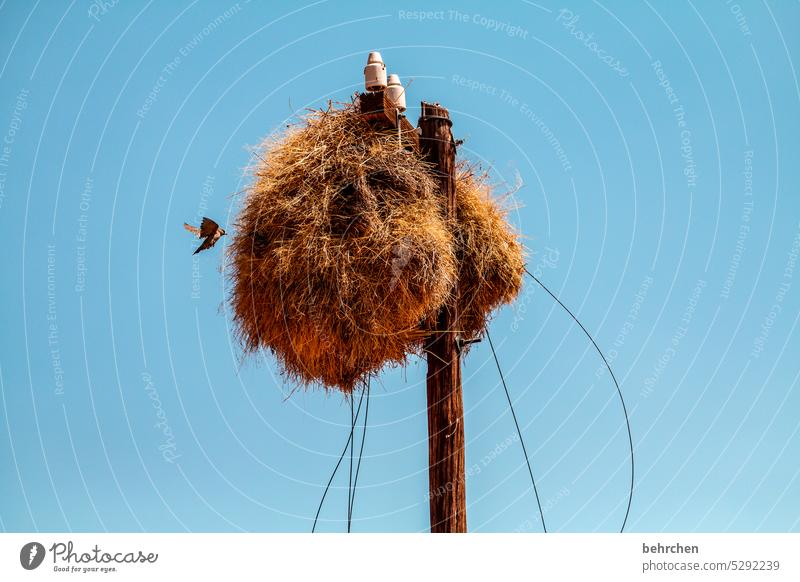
(193, 229)
(208, 227)
(207, 243)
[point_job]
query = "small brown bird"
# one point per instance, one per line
(209, 230)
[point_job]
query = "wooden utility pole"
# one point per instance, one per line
(446, 471)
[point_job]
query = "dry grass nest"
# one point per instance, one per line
(342, 251)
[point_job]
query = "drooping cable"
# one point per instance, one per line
(519, 432)
(619, 391)
(336, 468)
(360, 455)
(350, 478)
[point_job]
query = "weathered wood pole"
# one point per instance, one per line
(447, 487)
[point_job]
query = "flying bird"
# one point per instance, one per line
(209, 230)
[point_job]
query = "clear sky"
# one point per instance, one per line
(654, 148)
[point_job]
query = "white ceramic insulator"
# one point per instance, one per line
(396, 93)
(375, 72)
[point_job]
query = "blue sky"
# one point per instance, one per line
(655, 150)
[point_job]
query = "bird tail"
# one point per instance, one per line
(193, 229)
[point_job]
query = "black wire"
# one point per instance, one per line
(519, 432)
(350, 479)
(336, 468)
(619, 391)
(360, 454)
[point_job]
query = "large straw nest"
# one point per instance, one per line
(341, 251)
(490, 255)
